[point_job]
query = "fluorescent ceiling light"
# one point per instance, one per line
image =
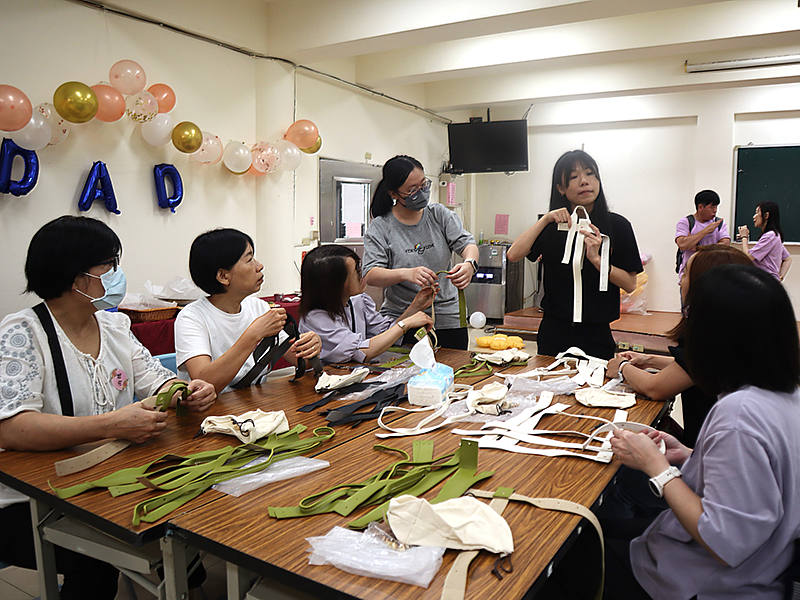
(743, 63)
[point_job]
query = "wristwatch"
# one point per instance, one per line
(402, 326)
(658, 482)
(474, 264)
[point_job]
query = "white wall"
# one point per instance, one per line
(48, 42)
(654, 153)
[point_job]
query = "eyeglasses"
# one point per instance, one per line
(424, 186)
(114, 262)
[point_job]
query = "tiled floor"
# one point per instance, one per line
(21, 584)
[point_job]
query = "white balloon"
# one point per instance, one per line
(210, 151)
(158, 132)
(237, 157)
(59, 128)
(292, 156)
(477, 319)
(35, 135)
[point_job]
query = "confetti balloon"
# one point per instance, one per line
(266, 157)
(210, 152)
(141, 107)
(59, 128)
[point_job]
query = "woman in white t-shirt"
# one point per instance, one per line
(768, 253)
(215, 336)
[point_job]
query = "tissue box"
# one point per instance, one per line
(431, 386)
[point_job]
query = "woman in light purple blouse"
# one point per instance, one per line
(334, 305)
(735, 501)
(768, 253)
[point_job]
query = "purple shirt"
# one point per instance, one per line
(769, 253)
(746, 470)
(682, 230)
(341, 339)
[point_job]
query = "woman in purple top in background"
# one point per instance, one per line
(768, 253)
(334, 305)
(735, 502)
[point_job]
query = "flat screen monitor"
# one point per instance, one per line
(488, 147)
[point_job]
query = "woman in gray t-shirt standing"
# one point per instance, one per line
(409, 241)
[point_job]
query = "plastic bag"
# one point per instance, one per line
(135, 301)
(377, 554)
(557, 385)
(177, 288)
(636, 301)
(283, 469)
(385, 380)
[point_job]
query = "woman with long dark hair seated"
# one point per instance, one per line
(334, 305)
(769, 252)
(735, 498)
(409, 241)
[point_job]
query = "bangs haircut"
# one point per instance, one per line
(322, 279)
(214, 250)
(741, 330)
(563, 168)
(63, 249)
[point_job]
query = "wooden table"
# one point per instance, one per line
(240, 531)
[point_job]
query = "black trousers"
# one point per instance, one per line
(84, 578)
(458, 338)
(557, 334)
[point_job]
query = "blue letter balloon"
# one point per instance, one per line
(160, 172)
(25, 185)
(98, 176)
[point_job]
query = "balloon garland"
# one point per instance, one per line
(29, 129)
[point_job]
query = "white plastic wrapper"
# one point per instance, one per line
(177, 288)
(134, 301)
(283, 469)
(375, 553)
(557, 385)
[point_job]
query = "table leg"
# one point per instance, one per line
(175, 567)
(47, 574)
(238, 581)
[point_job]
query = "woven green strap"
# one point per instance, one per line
(462, 305)
(395, 361)
(463, 477)
(474, 368)
(164, 399)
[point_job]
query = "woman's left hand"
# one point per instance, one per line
(307, 345)
(638, 451)
(461, 275)
(612, 368)
(593, 239)
(202, 396)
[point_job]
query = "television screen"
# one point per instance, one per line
(490, 147)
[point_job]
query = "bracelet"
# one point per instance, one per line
(619, 368)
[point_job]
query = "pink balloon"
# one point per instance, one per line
(15, 108)
(302, 133)
(164, 96)
(111, 104)
(210, 153)
(128, 77)
(266, 157)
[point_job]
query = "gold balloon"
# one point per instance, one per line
(187, 137)
(313, 149)
(76, 102)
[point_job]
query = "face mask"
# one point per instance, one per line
(418, 200)
(115, 286)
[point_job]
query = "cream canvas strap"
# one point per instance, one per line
(455, 585)
(552, 504)
(94, 457)
(575, 251)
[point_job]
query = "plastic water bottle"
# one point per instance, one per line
(480, 239)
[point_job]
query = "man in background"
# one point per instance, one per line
(703, 228)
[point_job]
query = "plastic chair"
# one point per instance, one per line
(168, 361)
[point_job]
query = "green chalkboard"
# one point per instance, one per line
(768, 173)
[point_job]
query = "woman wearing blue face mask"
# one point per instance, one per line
(73, 265)
(409, 241)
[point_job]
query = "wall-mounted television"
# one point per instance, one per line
(488, 147)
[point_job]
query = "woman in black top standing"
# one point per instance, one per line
(577, 187)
